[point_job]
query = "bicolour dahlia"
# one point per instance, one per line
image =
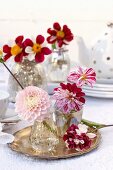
(17, 50)
(82, 76)
(36, 50)
(32, 103)
(77, 137)
(61, 36)
(68, 98)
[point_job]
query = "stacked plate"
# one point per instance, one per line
(103, 89)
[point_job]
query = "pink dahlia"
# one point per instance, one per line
(68, 98)
(61, 36)
(32, 103)
(36, 50)
(82, 76)
(77, 137)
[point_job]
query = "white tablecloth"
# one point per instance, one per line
(100, 110)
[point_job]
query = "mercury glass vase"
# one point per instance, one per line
(28, 73)
(63, 121)
(58, 65)
(44, 136)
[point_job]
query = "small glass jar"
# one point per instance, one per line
(63, 121)
(44, 137)
(58, 66)
(28, 73)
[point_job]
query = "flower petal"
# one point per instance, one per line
(28, 42)
(39, 57)
(51, 39)
(69, 38)
(18, 58)
(29, 50)
(82, 100)
(40, 39)
(6, 57)
(90, 71)
(6, 49)
(60, 43)
(83, 128)
(51, 32)
(57, 26)
(31, 57)
(67, 30)
(24, 53)
(19, 39)
(91, 135)
(46, 51)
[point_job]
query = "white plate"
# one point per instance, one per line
(99, 90)
(100, 94)
(99, 87)
(105, 81)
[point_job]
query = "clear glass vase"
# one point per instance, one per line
(28, 73)
(58, 66)
(44, 137)
(63, 121)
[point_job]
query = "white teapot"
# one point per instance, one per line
(100, 55)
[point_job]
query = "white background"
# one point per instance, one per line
(86, 18)
(31, 17)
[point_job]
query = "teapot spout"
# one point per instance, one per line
(83, 52)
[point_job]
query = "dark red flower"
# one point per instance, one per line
(87, 141)
(75, 139)
(17, 50)
(35, 49)
(61, 36)
(73, 127)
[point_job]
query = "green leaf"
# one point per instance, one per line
(49, 128)
(93, 124)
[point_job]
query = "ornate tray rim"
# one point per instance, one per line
(55, 157)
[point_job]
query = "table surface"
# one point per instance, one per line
(99, 110)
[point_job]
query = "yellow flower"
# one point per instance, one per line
(1, 53)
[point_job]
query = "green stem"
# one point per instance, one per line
(53, 46)
(49, 128)
(94, 124)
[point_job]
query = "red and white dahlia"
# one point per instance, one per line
(82, 76)
(78, 138)
(36, 50)
(61, 36)
(68, 98)
(17, 50)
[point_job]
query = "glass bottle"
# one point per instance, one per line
(58, 65)
(28, 73)
(44, 137)
(63, 121)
